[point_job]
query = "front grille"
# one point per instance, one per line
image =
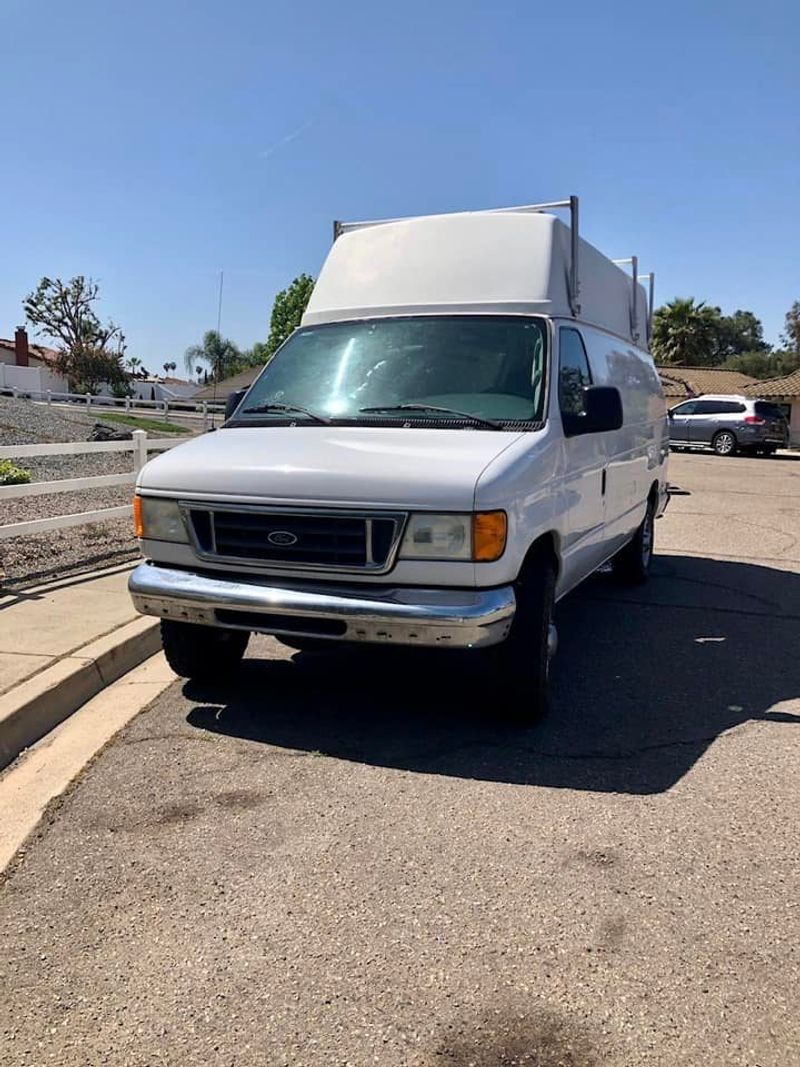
(310, 540)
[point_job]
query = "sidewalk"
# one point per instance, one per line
(60, 644)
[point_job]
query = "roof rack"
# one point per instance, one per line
(571, 204)
(633, 262)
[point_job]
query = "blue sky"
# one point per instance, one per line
(148, 145)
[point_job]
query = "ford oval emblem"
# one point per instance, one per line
(282, 538)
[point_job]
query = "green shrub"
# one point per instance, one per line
(11, 475)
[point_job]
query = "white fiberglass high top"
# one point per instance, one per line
(484, 262)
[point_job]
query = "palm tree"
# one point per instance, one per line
(168, 367)
(133, 362)
(686, 333)
(218, 352)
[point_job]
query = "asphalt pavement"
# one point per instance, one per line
(351, 860)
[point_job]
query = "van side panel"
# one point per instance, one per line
(551, 484)
(523, 482)
(636, 453)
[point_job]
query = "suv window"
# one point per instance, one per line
(719, 407)
(686, 409)
(574, 374)
(768, 411)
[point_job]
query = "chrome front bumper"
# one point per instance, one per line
(408, 615)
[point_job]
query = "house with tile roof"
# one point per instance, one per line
(29, 366)
(682, 383)
(222, 390)
(785, 392)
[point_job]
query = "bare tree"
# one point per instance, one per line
(89, 351)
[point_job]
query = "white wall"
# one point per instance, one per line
(34, 379)
(53, 381)
(144, 390)
(174, 390)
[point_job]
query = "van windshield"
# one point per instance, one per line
(484, 367)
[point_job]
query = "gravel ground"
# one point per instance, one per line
(59, 552)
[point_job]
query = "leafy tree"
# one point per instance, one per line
(91, 368)
(791, 336)
(765, 364)
(742, 332)
(256, 356)
(756, 364)
(287, 311)
(686, 333)
(88, 351)
(218, 352)
(168, 367)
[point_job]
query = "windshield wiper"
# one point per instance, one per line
(477, 420)
(263, 408)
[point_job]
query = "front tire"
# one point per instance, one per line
(204, 653)
(724, 443)
(631, 565)
(520, 666)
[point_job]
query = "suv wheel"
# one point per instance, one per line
(724, 443)
(631, 565)
(205, 653)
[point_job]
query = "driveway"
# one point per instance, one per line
(349, 860)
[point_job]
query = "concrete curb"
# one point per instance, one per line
(34, 707)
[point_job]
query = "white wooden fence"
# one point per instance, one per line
(186, 408)
(139, 446)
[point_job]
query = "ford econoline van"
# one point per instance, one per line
(465, 426)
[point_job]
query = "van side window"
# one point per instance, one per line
(573, 372)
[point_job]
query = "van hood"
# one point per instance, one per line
(351, 466)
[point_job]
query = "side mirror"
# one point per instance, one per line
(233, 401)
(602, 412)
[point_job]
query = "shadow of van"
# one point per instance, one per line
(643, 683)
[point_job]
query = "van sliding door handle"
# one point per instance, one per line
(603, 483)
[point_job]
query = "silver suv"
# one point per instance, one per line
(728, 424)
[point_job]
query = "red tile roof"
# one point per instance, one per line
(46, 355)
(788, 385)
(680, 383)
(224, 388)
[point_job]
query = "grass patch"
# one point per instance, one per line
(151, 425)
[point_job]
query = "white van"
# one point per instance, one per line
(465, 426)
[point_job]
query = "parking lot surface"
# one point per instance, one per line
(351, 860)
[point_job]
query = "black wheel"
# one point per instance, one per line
(202, 652)
(520, 666)
(632, 564)
(724, 443)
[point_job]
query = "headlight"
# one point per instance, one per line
(480, 536)
(158, 519)
(438, 537)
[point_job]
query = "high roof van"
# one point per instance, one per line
(465, 426)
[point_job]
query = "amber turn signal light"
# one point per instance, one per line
(138, 525)
(489, 529)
